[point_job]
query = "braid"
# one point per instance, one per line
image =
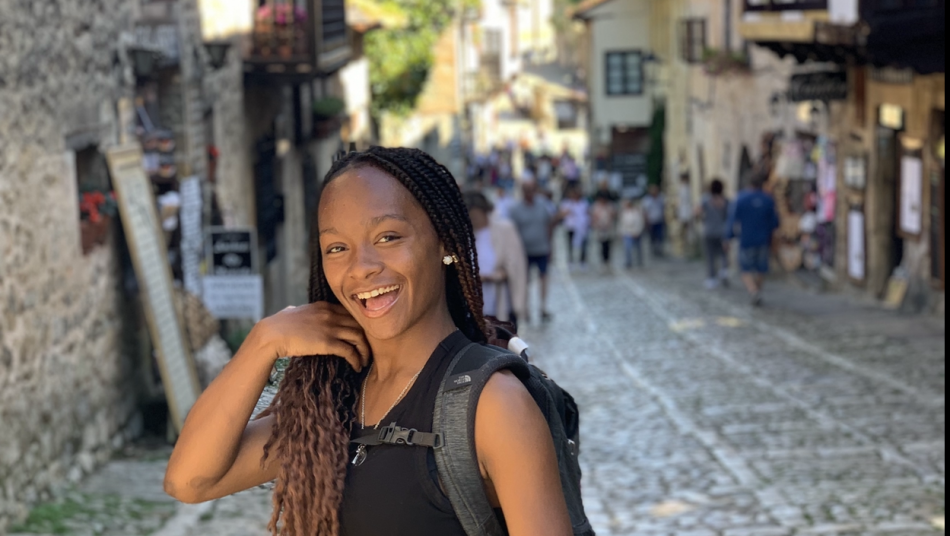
(314, 409)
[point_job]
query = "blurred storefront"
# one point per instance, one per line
(858, 162)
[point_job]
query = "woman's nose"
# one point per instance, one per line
(366, 263)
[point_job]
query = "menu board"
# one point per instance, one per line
(144, 235)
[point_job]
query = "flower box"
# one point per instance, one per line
(94, 233)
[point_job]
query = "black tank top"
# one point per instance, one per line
(396, 491)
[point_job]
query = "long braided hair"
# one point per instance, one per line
(315, 405)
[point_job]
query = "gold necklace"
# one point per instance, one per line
(361, 453)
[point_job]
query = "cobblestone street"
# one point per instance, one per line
(704, 417)
(701, 416)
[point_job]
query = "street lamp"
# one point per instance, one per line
(217, 53)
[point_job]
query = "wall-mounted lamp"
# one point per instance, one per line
(217, 53)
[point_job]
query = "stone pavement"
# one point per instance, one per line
(816, 415)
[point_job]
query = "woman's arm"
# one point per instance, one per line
(517, 457)
(219, 452)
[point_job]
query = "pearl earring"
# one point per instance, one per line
(449, 260)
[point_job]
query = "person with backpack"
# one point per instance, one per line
(395, 415)
(714, 213)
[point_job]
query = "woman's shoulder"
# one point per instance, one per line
(505, 398)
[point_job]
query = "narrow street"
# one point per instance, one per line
(704, 417)
(701, 416)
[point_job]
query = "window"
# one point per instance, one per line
(624, 73)
(491, 55)
(693, 40)
(566, 112)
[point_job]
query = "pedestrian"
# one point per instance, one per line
(534, 220)
(604, 225)
(503, 203)
(575, 214)
(755, 215)
(502, 262)
(632, 226)
(568, 167)
(395, 298)
(714, 213)
(545, 170)
(654, 206)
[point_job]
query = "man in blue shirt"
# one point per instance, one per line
(755, 215)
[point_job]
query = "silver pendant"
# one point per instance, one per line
(360, 456)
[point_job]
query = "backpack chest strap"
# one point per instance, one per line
(397, 435)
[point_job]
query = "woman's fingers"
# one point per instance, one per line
(356, 338)
(348, 352)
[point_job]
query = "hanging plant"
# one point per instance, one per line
(719, 62)
(96, 210)
(328, 108)
(94, 205)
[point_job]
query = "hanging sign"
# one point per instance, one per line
(192, 240)
(819, 86)
(147, 246)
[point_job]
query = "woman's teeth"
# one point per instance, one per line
(377, 292)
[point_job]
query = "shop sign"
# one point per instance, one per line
(233, 289)
(232, 251)
(234, 296)
(192, 241)
(146, 243)
(820, 86)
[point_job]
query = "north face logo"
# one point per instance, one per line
(463, 380)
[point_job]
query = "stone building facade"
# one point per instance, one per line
(65, 398)
(73, 342)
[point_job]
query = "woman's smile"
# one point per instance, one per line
(377, 302)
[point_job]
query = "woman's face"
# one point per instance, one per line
(381, 254)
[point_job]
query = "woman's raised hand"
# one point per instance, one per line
(316, 329)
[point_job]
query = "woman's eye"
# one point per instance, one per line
(334, 249)
(388, 238)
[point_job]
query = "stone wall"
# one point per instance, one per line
(65, 389)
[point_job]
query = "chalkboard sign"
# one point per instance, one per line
(232, 251)
(147, 246)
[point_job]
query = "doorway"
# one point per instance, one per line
(888, 164)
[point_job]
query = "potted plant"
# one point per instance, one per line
(96, 210)
(326, 115)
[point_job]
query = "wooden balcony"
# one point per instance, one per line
(783, 21)
(297, 39)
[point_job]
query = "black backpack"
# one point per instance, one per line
(454, 431)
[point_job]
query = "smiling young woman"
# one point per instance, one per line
(394, 294)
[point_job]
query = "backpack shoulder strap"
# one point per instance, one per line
(454, 418)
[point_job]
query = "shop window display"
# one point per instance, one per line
(807, 199)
